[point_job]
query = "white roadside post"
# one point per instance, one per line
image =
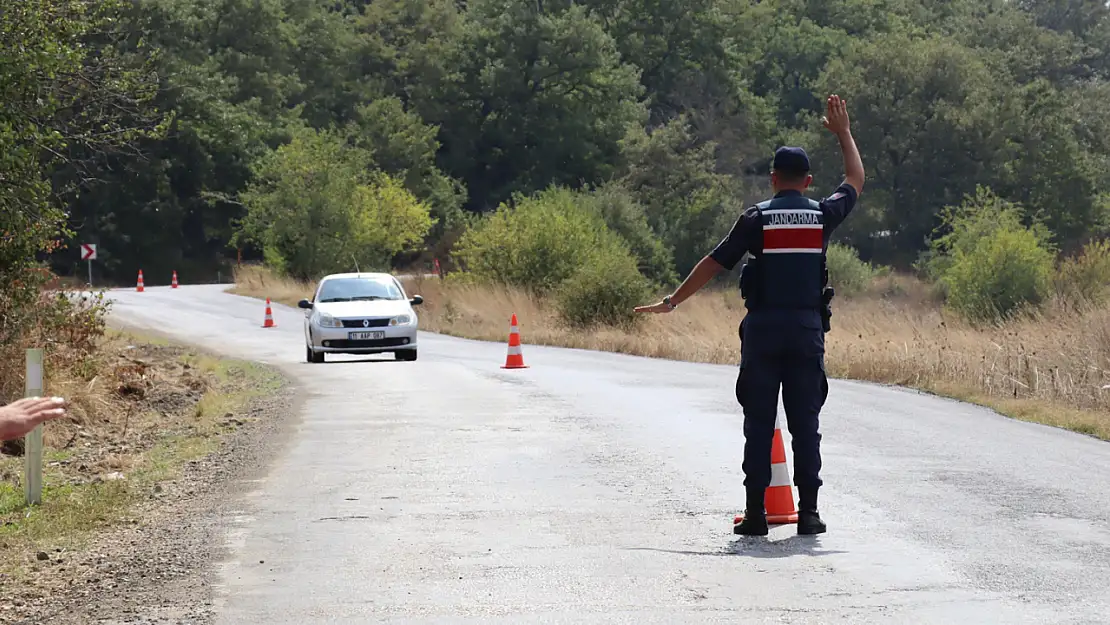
(32, 448)
(88, 252)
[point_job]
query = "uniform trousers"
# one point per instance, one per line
(782, 349)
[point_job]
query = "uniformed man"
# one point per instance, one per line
(783, 333)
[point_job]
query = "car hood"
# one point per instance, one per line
(369, 308)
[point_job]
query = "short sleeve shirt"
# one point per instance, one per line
(746, 232)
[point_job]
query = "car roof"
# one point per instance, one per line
(369, 275)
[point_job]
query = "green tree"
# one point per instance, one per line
(923, 110)
(317, 207)
(627, 218)
(673, 175)
(402, 145)
(66, 109)
(535, 96)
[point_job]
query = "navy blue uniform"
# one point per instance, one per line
(782, 335)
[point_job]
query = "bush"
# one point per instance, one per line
(603, 293)
(539, 242)
(988, 263)
(963, 226)
(67, 323)
(1004, 272)
(317, 206)
(847, 273)
(627, 218)
(1086, 279)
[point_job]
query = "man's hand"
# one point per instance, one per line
(20, 417)
(661, 307)
(836, 120)
(836, 117)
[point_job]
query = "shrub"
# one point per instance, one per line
(987, 262)
(1086, 279)
(1004, 272)
(539, 242)
(317, 206)
(603, 293)
(963, 226)
(627, 218)
(847, 273)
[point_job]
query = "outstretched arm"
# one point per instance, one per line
(726, 255)
(701, 275)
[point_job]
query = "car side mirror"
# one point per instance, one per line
(304, 304)
(416, 300)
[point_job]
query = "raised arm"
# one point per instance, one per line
(836, 120)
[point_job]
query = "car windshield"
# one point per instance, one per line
(355, 289)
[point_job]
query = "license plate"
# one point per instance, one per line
(366, 336)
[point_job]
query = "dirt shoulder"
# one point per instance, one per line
(135, 483)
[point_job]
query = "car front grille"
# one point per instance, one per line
(373, 323)
(348, 344)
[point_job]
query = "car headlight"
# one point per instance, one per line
(401, 320)
(324, 320)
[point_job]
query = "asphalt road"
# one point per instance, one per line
(601, 488)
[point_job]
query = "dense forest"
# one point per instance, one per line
(179, 134)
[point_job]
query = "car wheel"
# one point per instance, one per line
(405, 354)
(312, 356)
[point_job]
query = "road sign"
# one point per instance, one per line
(88, 251)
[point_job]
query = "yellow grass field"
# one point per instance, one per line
(1053, 370)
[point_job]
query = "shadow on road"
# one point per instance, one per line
(356, 361)
(760, 547)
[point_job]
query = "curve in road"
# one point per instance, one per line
(597, 487)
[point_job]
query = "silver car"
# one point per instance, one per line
(360, 313)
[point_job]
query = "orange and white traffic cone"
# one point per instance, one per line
(173, 283)
(139, 286)
(779, 497)
(515, 358)
(269, 322)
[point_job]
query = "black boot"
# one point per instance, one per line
(755, 516)
(809, 520)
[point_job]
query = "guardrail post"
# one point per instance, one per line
(32, 448)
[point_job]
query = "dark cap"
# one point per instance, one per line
(791, 160)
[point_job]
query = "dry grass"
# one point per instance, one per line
(140, 409)
(1053, 370)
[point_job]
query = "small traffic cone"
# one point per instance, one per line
(173, 283)
(139, 286)
(515, 358)
(779, 497)
(269, 323)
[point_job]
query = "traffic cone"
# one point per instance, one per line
(269, 323)
(515, 358)
(139, 286)
(173, 283)
(779, 497)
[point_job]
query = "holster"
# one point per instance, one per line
(826, 308)
(749, 274)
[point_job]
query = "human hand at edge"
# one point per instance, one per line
(21, 416)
